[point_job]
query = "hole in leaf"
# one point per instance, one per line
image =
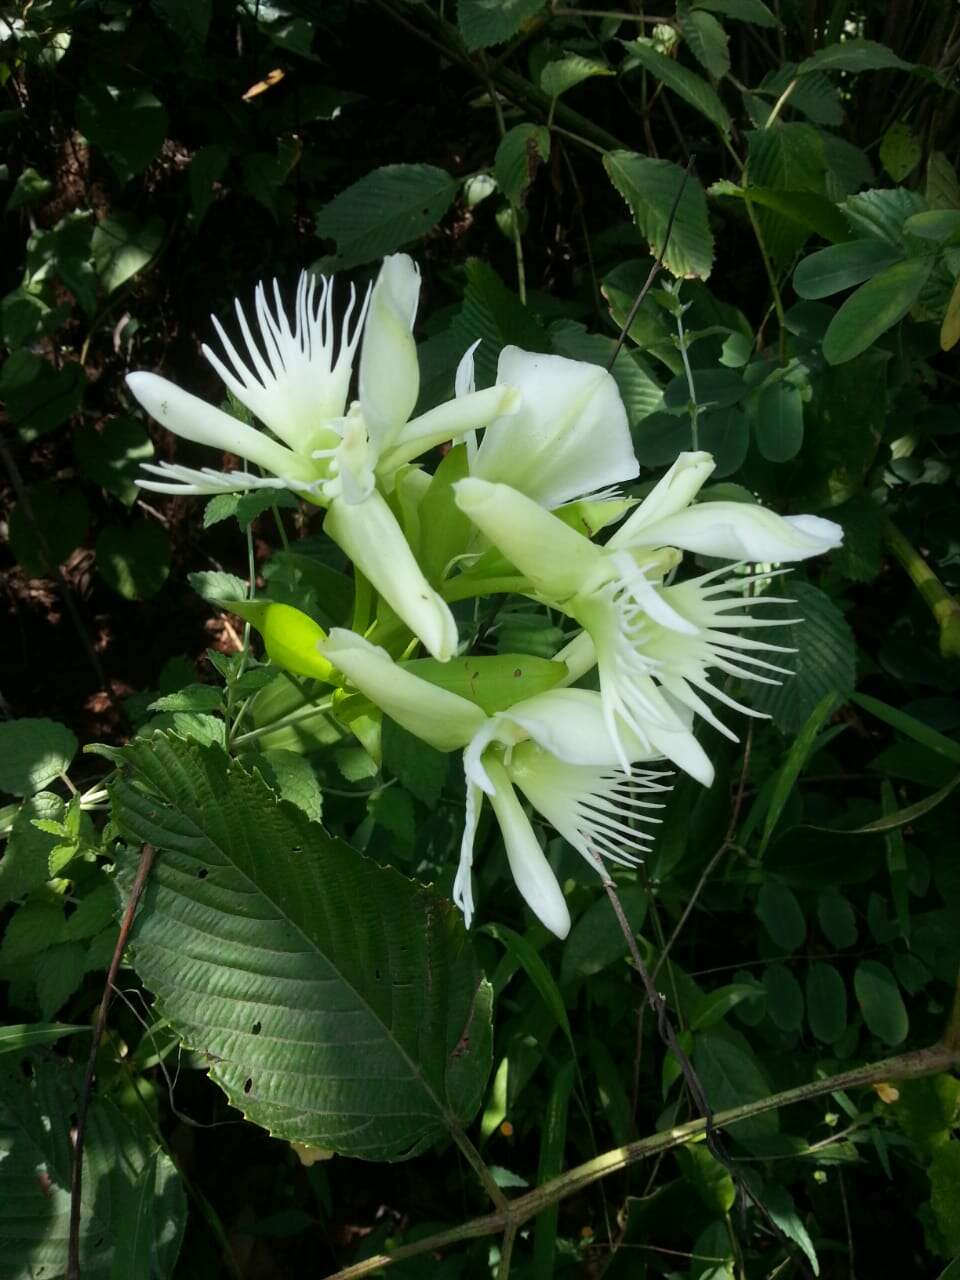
(297, 848)
(202, 873)
(255, 1029)
(247, 1084)
(376, 974)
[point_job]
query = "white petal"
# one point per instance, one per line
(570, 724)
(673, 492)
(465, 380)
(444, 719)
(531, 871)
(463, 883)
(742, 531)
(193, 419)
(446, 422)
(570, 437)
(558, 561)
(185, 480)
(389, 372)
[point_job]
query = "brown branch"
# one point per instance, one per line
(99, 1026)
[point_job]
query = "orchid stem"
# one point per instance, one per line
(944, 606)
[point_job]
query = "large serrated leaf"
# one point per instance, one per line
(854, 55)
(685, 84)
(650, 188)
(486, 22)
(825, 659)
(338, 1003)
(708, 41)
(122, 1168)
(385, 210)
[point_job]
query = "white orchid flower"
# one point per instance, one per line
(554, 747)
(295, 378)
(654, 644)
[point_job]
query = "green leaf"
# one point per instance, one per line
(294, 779)
(826, 1002)
(707, 40)
(29, 189)
(525, 954)
(569, 71)
(486, 22)
(798, 215)
(944, 1195)
(788, 158)
(792, 767)
(220, 507)
(880, 1002)
(731, 1076)
(650, 188)
(36, 1116)
(596, 940)
(39, 397)
(338, 1003)
(493, 683)
(784, 997)
(134, 559)
(214, 586)
(825, 661)
(122, 246)
(61, 515)
(910, 726)
(900, 151)
(684, 83)
(854, 55)
(418, 767)
(778, 421)
(112, 455)
(874, 308)
(742, 10)
(57, 973)
(715, 1005)
(778, 1201)
(193, 697)
(841, 266)
(32, 753)
(837, 918)
(780, 913)
(19, 1036)
(189, 20)
(521, 152)
(882, 214)
(127, 125)
(24, 864)
(553, 1142)
(250, 506)
(385, 211)
(495, 314)
(707, 1176)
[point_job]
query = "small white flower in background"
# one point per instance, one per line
(553, 746)
(653, 643)
(296, 379)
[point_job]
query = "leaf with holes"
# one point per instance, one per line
(650, 188)
(338, 1003)
(385, 210)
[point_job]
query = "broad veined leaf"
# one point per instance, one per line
(684, 83)
(122, 245)
(385, 210)
(24, 1035)
(708, 41)
(826, 1002)
(523, 149)
(32, 753)
(875, 307)
(338, 1003)
(569, 71)
(900, 151)
(743, 10)
(880, 1002)
(486, 22)
(650, 188)
(123, 1169)
(854, 55)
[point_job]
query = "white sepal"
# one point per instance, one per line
(389, 371)
(742, 531)
(672, 493)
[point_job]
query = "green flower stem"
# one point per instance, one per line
(923, 1062)
(941, 603)
(302, 713)
(464, 588)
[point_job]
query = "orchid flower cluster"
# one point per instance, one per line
(521, 502)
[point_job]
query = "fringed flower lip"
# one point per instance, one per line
(653, 643)
(554, 747)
